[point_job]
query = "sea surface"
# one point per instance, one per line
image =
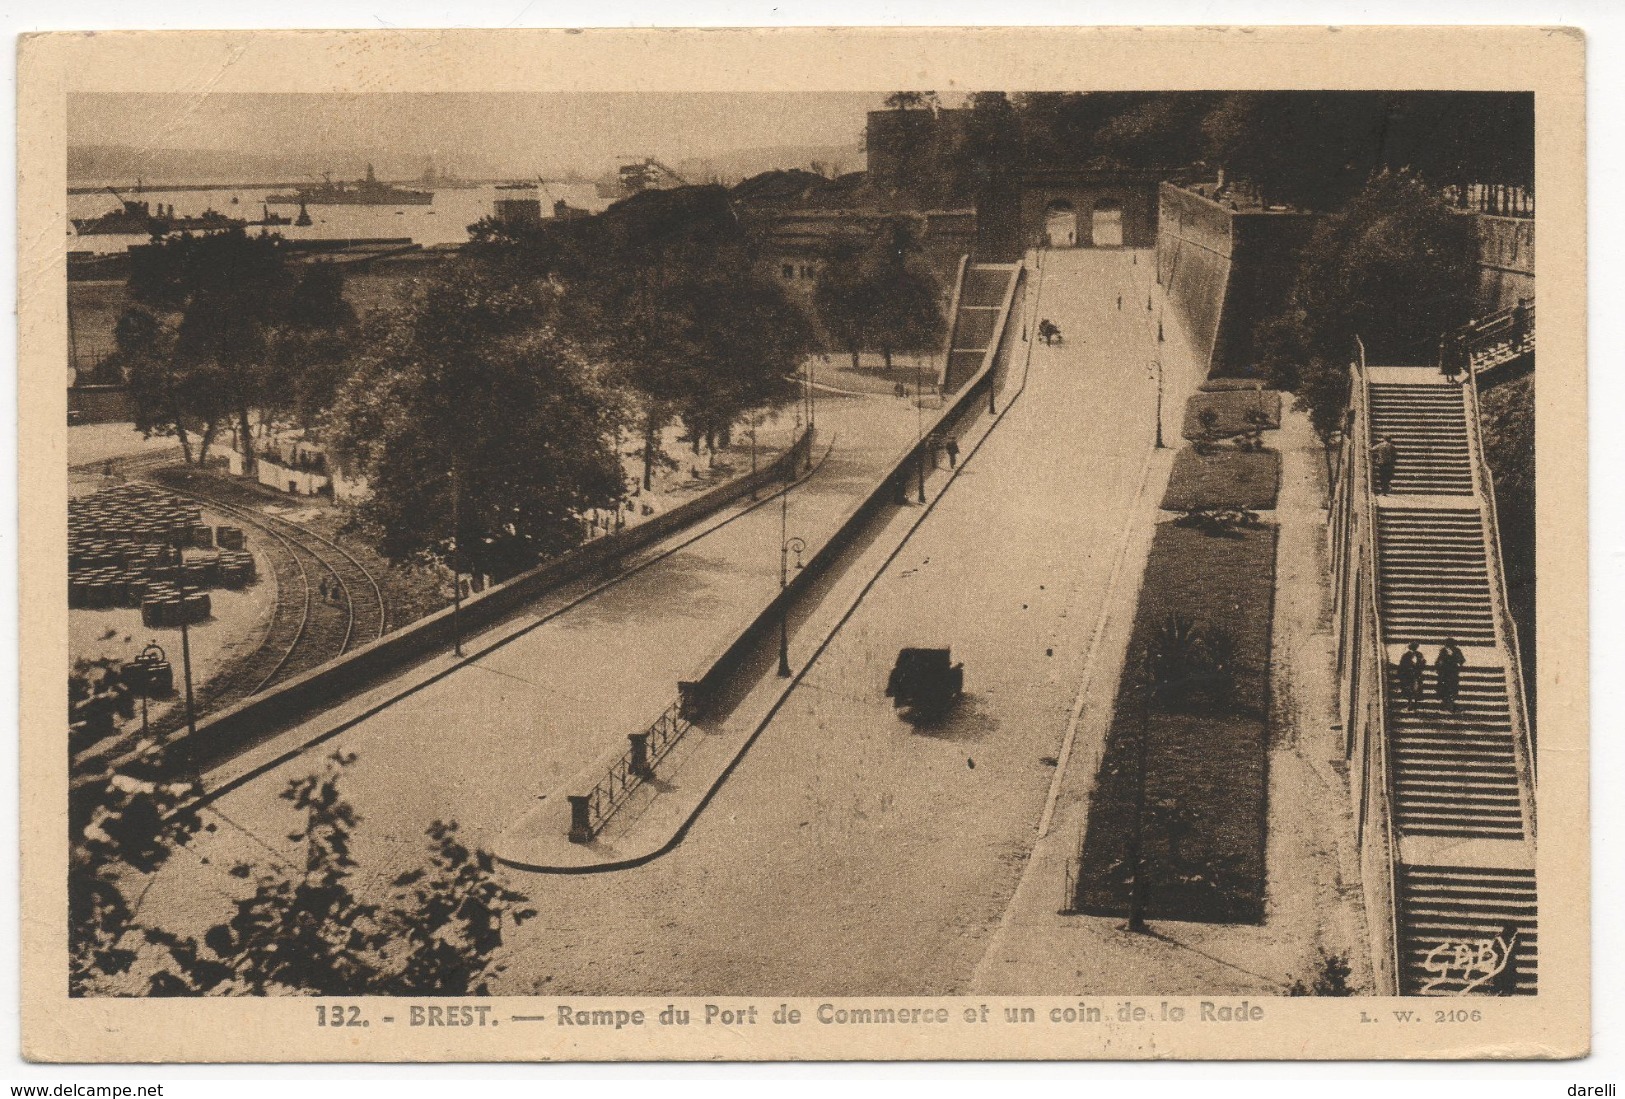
(445, 221)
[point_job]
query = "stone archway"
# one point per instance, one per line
(1060, 224)
(1106, 224)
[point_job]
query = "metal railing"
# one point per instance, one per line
(1360, 466)
(1513, 326)
(1517, 703)
(591, 811)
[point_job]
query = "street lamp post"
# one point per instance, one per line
(919, 430)
(456, 568)
(1136, 853)
(1156, 368)
(808, 387)
(786, 545)
(753, 422)
(186, 641)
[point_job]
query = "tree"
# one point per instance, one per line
(226, 290)
(170, 396)
(1508, 412)
(433, 933)
(124, 821)
(1313, 150)
(672, 295)
(311, 348)
(466, 404)
(912, 101)
(906, 316)
(878, 295)
(1396, 267)
(664, 289)
(841, 295)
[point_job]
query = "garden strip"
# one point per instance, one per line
(1206, 774)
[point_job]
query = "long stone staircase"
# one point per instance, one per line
(1460, 778)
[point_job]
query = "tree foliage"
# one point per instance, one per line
(124, 821)
(221, 331)
(483, 432)
(1395, 267)
(302, 927)
(1313, 149)
(877, 294)
(306, 929)
(665, 288)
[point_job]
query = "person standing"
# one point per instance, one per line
(1451, 368)
(1384, 457)
(953, 452)
(1411, 667)
(1447, 673)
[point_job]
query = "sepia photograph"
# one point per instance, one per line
(818, 571)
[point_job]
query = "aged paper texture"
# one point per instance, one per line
(803, 544)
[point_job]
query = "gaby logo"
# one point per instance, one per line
(1457, 968)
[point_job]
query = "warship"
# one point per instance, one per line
(136, 216)
(363, 192)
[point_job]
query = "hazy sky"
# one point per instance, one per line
(514, 130)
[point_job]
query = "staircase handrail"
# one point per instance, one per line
(1484, 329)
(953, 322)
(1517, 703)
(1362, 462)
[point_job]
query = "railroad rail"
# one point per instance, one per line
(305, 630)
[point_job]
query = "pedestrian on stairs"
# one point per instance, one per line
(1384, 456)
(1447, 672)
(1451, 368)
(1411, 667)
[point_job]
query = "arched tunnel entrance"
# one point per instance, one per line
(1060, 224)
(1106, 224)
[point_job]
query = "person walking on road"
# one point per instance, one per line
(1447, 673)
(953, 452)
(1411, 667)
(1384, 456)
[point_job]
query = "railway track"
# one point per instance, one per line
(305, 630)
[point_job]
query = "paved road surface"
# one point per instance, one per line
(850, 854)
(480, 744)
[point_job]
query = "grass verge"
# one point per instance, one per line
(1206, 773)
(1227, 477)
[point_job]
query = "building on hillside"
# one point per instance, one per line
(518, 204)
(299, 466)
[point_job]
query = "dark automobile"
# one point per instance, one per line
(925, 681)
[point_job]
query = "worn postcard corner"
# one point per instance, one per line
(887, 549)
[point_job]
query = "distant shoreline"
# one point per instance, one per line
(151, 188)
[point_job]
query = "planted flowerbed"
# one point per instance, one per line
(1231, 412)
(1195, 685)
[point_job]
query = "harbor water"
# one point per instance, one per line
(445, 221)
